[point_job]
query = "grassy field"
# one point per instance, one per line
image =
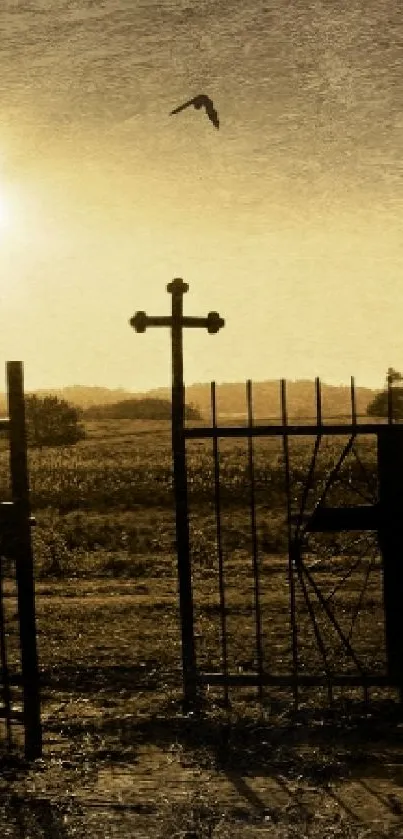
(105, 512)
(109, 640)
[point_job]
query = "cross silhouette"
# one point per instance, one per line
(177, 321)
(177, 288)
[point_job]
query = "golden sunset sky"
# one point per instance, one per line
(288, 220)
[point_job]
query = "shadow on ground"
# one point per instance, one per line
(280, 766)
(111, 679)
(347, 739)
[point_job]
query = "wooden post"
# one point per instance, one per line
(24, 560)
(390, 471)
(176, 322)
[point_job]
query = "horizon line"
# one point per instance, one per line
(206, 383)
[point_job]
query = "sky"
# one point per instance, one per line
(287, 220)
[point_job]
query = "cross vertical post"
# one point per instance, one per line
(176, 322)
(177, 290)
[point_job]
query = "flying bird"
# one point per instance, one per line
(201, 101)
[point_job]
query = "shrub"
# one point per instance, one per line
(52, 422)
(145, 409)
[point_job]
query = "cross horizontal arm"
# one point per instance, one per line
(140, 321)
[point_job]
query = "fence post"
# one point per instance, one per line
(390, 472)
(177, 289)
(24, 560)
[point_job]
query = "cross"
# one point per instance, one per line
(177, 288)
(177, 321)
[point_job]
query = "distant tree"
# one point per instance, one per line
(52, 421)
(379, 407)
(393, 376)
(146, 409)
(192, 412)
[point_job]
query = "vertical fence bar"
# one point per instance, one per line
(176, 289)
(390, 470)
(291, 579)
(318, 397)
(217, 509)
(255, 551)
(4, 662)
(24, 560)
(353, 402)
(390, 400)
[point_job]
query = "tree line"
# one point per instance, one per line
(52, 421)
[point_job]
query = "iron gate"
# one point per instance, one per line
(320, 611)
(317, 606)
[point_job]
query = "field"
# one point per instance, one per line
(122, 755)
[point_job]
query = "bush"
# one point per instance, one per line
(145, 409)
(379, 407)
(52, 422)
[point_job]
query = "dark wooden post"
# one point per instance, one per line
(176, 322)
(24, 559)
(390, 471)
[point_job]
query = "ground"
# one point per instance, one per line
(122, 756)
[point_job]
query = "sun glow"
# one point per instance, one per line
(5, 212)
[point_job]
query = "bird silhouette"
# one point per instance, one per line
(200, 101)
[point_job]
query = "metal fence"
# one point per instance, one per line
(321, 610)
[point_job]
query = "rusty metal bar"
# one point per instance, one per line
(331, 477)
(353, 402)
(390, 400)
(292, 431)
(325, 605)
(24, 560)
(291, 580)
(316, 628)
(303, 680)
(4, 663)
(217, 509)
(390, 471)
(360, 600)
(312, 465)
(308, 483)
(255, 551)
(343, 579)
(318, 399)
(372, 485)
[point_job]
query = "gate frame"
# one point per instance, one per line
(16, 522)
(382, 517)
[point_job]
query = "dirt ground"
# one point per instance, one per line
(178, 781)
(122, 757)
